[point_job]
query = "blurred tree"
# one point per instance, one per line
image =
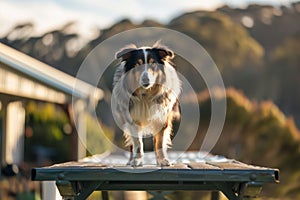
(48, 139)
(282, 76)
(238, 56)
(99, 136)
(269, 25)
(47, 136)
(259, 134)
(227, 42)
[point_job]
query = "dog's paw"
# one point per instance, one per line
(163, 162)
(136, 162)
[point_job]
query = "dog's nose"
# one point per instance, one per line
(146, 84)
(145, 80)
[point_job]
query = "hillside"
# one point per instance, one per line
(243, 43)
(269, 25)
(259, 134)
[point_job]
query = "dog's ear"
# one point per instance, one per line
(125, 52)
(163, 51)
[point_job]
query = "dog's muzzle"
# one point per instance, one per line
(145, 81)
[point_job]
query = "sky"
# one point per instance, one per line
(91, 14)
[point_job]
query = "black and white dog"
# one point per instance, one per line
(145, 95)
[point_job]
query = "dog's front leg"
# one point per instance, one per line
(161, 140)
(134, 139)
(137, 151)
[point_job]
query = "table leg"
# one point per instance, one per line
(105, 195)
(215, 195)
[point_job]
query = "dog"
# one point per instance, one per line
(146, 88)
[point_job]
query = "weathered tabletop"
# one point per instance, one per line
(190, 171)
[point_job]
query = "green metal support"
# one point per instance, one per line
(233, 191)
(87, 190)
(215, 195)
(159, 195)
(76, 190)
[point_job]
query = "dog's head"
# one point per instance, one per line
(145, 66)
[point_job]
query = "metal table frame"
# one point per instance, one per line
(77, 180)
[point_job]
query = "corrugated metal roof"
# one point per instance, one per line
(47, 74)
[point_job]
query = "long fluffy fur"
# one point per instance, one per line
(140, 110)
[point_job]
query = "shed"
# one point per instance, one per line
(24, 78)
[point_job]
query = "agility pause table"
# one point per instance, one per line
(190, 171)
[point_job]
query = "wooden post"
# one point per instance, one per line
(15, 127)
(80, 124)
(12, 137)
(3, 131)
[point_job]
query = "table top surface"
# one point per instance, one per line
(189, 171)
(186, 166)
